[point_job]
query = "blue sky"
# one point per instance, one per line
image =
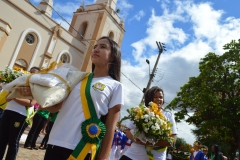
(189, 28)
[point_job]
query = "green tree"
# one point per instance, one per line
(214, 98)
(180, 142)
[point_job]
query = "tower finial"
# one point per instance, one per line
(110, 3)
(45, 7)
(122, 22)
(81, 8)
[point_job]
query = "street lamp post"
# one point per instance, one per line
(161, 48)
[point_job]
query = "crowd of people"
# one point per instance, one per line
(82, 123)
(201, 152)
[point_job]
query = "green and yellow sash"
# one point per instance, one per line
(3, 105)
(93, 130)
(30, 115)
(158, 149)
(3, 96)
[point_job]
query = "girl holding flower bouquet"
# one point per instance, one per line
(144, 151)
(77, 131)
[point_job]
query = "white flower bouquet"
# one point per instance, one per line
(8, 75)
(151, 124)
(49, 86)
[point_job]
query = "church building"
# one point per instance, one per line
(29, 36)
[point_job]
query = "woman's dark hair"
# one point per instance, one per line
(115, 64)
(149, 95)
(216, 152)
(37, 68)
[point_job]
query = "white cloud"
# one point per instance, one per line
(63, 23)
(206, 24)
(211, 26)
(184, 131)
(124, 7)
(138, 16)
(193, 51)
(67, 8)
(160, 28)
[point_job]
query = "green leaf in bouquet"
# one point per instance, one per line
(123, 119)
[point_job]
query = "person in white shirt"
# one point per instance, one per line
(107, 96)
(197, 154)
(137, 150)
(13, 124)
(205, 151)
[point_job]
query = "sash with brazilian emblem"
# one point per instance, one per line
(93, 130)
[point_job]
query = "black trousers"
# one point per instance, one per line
(125, 158)
(1, 113)
(10, 132)
(60, 153)
(46, 137)
(37, 126)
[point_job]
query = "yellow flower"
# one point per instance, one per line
(20, 69)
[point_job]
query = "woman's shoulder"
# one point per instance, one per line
(167, 113)
(107, 81)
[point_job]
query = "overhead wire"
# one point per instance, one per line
(175, 72)
(132, 82)
(172, 74)
(163, 74)
(173, 79)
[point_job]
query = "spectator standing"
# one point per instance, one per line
(197, 154)
(48, 130)
(205, 151)
(39, 120)
(215, 155)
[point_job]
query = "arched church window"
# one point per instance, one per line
(111, 35)
(21, 63)
(65, 58)
(30, 38)
(82, 29)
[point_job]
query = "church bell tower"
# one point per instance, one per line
(91, 22)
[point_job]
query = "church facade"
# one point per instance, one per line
(30, 37)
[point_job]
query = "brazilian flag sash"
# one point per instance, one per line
(30, 115)
(3, 104)
(93, 130)
(3, 101)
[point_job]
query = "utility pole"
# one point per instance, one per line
(161, 48)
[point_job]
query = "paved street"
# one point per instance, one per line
(26, 154)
